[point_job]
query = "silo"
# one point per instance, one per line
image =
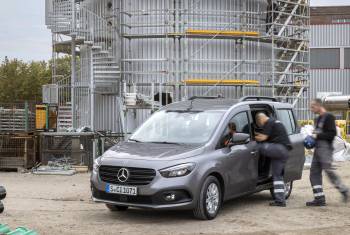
(170, 50)
(167, 41)
(195, 47)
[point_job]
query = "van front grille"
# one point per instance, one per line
(137, 176)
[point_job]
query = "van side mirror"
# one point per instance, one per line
(240, 138)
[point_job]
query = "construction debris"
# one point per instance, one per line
(58, 167)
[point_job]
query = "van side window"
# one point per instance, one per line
(242, 126)
(287, 118)
(242, 122)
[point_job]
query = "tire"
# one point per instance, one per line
(2, 193)
(288, 186)
(202, 211)
(1, 207)
(116, 208)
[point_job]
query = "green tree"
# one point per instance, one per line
(63, 67)
(21, 81)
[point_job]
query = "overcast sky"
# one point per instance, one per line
(23, 33)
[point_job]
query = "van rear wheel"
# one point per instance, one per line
(116, 208)
(2, 208)
(2, 193)
(288, 190)
(209, 201)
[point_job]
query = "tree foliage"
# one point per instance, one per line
(21, 80)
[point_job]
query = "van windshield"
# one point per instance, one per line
(178, 127)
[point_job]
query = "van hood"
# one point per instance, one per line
(152, 151)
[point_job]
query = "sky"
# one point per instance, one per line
(23, 33)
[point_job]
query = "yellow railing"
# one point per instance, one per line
(209, 82)
(223, 33)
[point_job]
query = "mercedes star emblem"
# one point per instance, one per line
(123, 175)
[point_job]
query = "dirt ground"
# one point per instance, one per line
(62, 205)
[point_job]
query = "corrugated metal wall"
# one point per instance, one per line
(106, 113)
(329, 80)
(335, 35)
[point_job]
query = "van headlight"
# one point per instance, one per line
(97, 164)
(178, 171)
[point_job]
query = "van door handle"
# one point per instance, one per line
(254, 153)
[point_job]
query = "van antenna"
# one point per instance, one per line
(191, 105)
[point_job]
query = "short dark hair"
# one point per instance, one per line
(232, 126)
(318, 101)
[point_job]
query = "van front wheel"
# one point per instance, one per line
(209, 201)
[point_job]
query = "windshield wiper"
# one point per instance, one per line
(164, 142)
(137, 141)
(184, 111)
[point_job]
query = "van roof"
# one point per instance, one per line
(203, 104)
(222, 104)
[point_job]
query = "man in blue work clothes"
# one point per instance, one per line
(274, 143)
(325, 131)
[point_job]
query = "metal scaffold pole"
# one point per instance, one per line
(92, 92)
(73, 81)
(74, 65)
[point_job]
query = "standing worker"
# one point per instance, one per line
(274, 144)
(325, 131)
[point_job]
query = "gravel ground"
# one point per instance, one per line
(62, 205)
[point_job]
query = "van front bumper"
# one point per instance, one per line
(152, 196)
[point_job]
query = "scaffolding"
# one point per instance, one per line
(269, 39)
(177, 49)
(90, 37)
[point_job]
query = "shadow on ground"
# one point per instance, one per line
(175, 216)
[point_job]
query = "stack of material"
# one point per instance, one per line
(81, 169)
(18, 117)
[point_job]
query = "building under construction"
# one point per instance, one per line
(130, 57)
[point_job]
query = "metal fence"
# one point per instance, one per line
(17, 117)
(72, 148)
(17, 151)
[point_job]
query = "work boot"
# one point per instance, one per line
(278, 204)
(345, 195)
(1, 207)
(2, 193)
(316, 202)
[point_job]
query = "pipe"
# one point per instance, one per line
(338, 103)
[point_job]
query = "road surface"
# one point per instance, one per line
(62, 205)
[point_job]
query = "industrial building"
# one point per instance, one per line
(129, 57)
(330, 51)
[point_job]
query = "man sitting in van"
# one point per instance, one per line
(228, 139)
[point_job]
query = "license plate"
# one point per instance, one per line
(120, 189)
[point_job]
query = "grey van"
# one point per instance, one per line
(175, 160)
